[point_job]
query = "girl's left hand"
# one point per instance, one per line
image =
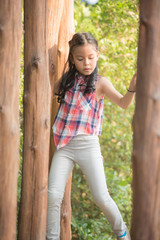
(132, 86)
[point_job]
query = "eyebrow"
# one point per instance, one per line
(82, 56)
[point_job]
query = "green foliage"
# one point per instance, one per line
(115, 26)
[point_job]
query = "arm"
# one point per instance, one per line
(123, 101)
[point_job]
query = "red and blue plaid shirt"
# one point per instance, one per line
(78, 114)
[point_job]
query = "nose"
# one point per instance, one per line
(86, 62)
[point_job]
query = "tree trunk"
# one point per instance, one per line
(54, 19)
(66, 233)
(10, 48)
(146, 149)
(32, 217)
(61, 28)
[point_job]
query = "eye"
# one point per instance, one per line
(80, 59)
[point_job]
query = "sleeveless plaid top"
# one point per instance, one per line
(78, 114)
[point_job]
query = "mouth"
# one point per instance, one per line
(87, 69)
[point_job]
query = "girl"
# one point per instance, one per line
(76, 128)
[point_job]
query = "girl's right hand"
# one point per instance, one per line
(132, 86)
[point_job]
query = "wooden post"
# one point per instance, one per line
(66, 233)
(61, 29)
(146, 149)
(55, 9)
(65, 33)
(10, 48)
(32, 217)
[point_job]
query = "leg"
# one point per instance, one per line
(91, 163)
(61, 168)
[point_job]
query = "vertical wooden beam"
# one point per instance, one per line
(146, 149)
(32, 217)
(55, 10)
(61, 29)
(65, 33)
(66, 233)
(10, 48)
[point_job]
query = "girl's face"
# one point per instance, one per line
(85, 58)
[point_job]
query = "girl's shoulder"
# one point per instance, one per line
(103, 81)
(104, 86)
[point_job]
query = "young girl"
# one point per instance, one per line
(76, 128)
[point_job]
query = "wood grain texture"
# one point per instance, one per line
(10, 48)
(61, 29)
(146, 124)
(37, 91)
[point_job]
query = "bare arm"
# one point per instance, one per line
(123, 101)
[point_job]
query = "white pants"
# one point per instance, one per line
(85, 151)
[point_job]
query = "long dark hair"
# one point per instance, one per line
(68, 78)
